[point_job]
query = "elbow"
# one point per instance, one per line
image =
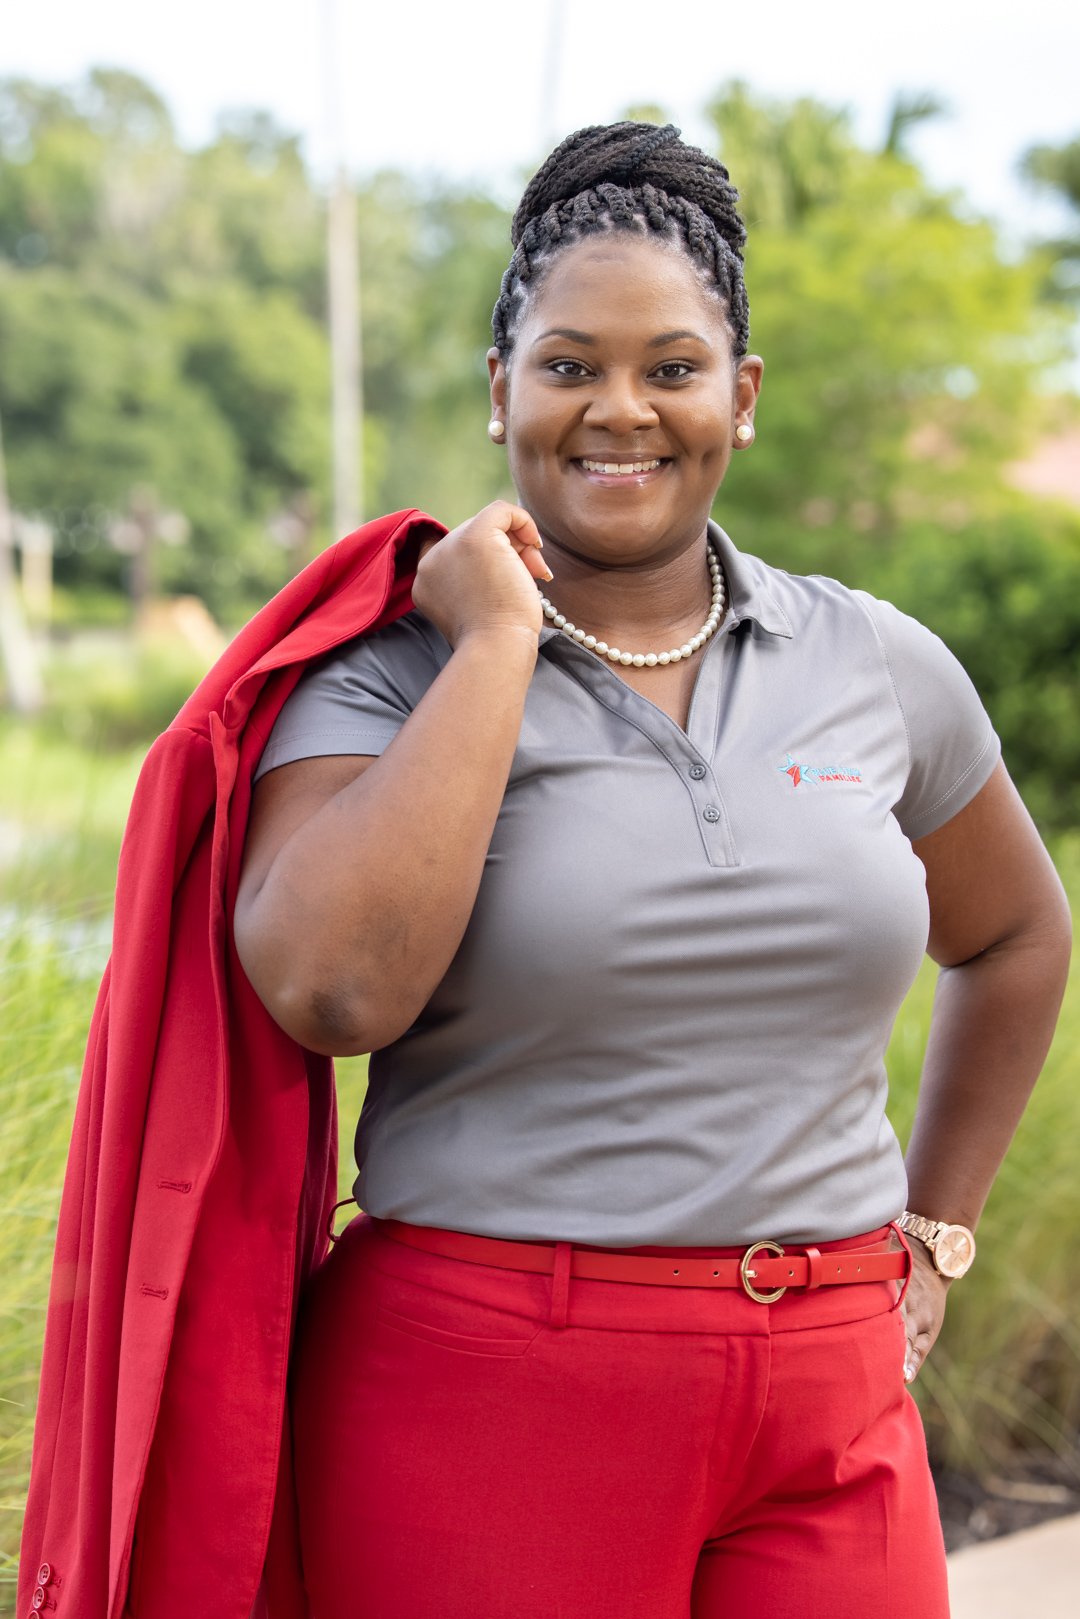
(337, 1023)
(332, 1021)
(335, 1013)
(335, 1020)
(1054, 928)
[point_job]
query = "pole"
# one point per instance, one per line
(346, 394)
(343, 297)
(16, 646)
(552, 80)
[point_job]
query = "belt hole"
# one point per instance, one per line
(791, 1273)
(716, 1273)
(858, 1267)
(838, 1270)
(675, 1272)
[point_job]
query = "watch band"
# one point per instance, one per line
(951, 1246)
(917, 1225)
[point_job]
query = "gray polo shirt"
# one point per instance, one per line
(666, 1021)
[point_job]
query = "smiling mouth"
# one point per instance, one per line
(620, 469)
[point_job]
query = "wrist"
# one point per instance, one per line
(509, 645)
(947, 1247)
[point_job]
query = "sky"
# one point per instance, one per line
(480, 89)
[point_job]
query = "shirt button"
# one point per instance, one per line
(44, 1574)
(711, 813)
(697, 772)
(38, 1598)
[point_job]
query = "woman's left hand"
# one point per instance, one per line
(923, 1310)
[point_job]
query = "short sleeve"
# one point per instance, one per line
(952, 746)
(356, 700)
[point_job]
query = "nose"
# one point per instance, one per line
(620, 403)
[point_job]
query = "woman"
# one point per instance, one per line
(627, 931)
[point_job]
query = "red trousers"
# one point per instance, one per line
(479, 1443)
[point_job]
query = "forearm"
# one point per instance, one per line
(992, 1024)
(375, 890)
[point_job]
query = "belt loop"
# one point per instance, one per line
(910, 1262)
(560, 1284)
(813, 1269)
(331, 1234)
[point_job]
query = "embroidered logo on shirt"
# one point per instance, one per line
(816, 775)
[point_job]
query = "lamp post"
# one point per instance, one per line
(343, 298)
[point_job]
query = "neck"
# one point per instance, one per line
(654, 602)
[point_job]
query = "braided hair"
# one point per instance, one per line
(626, 176)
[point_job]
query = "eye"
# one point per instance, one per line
(674, 370)
(572, 369)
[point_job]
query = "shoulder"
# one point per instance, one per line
(401, 658)
(811, 610)
(410, 642)
(825, 613)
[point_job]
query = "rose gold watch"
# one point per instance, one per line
(951, 1247)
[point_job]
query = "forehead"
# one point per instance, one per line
(618, 280)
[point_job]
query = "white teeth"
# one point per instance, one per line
(620, 468)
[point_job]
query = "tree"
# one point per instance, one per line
(160, 327)
(1057, 169)
(902, 349)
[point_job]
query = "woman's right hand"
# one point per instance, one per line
(482, 575)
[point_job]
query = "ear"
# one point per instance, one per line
(497, 375)
(748, 375)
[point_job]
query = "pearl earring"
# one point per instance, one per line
(744, 432)
(496, 431)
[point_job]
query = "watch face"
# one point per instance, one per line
(954, 1250)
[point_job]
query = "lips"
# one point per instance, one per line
(622, 472)
(621, 469)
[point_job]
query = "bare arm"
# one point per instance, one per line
(360, 874)
(1000, 930)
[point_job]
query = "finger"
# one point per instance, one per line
(524, 536)
(918, 1347)
(517, 524)
(535, 564)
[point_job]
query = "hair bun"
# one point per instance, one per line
(638, 177)
(630, 155)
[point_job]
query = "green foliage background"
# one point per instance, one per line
(162, 328)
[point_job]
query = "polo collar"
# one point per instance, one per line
(749, 595)
(748, 583)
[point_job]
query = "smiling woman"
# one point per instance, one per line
(621, 408)
(628, 991)
(623, 1329)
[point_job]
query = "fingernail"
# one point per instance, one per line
(548, 575)
(539, 542)
(909, 1372)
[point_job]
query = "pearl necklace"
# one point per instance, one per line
(648, 660)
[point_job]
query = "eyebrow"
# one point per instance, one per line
(658, 342)
(569, 333)
(675, 337)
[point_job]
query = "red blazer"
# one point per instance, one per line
(202, 1169)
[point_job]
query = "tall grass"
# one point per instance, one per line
(1005, 1374)
(1004, 1377)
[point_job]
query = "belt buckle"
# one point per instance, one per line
(746, 1274)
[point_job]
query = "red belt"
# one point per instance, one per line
(764, 1271)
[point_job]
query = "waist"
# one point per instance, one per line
(764, 1271)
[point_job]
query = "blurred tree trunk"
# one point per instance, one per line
(25, 692)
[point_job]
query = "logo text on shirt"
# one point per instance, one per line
(817, 775)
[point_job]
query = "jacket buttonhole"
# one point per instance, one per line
(154, 1292)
